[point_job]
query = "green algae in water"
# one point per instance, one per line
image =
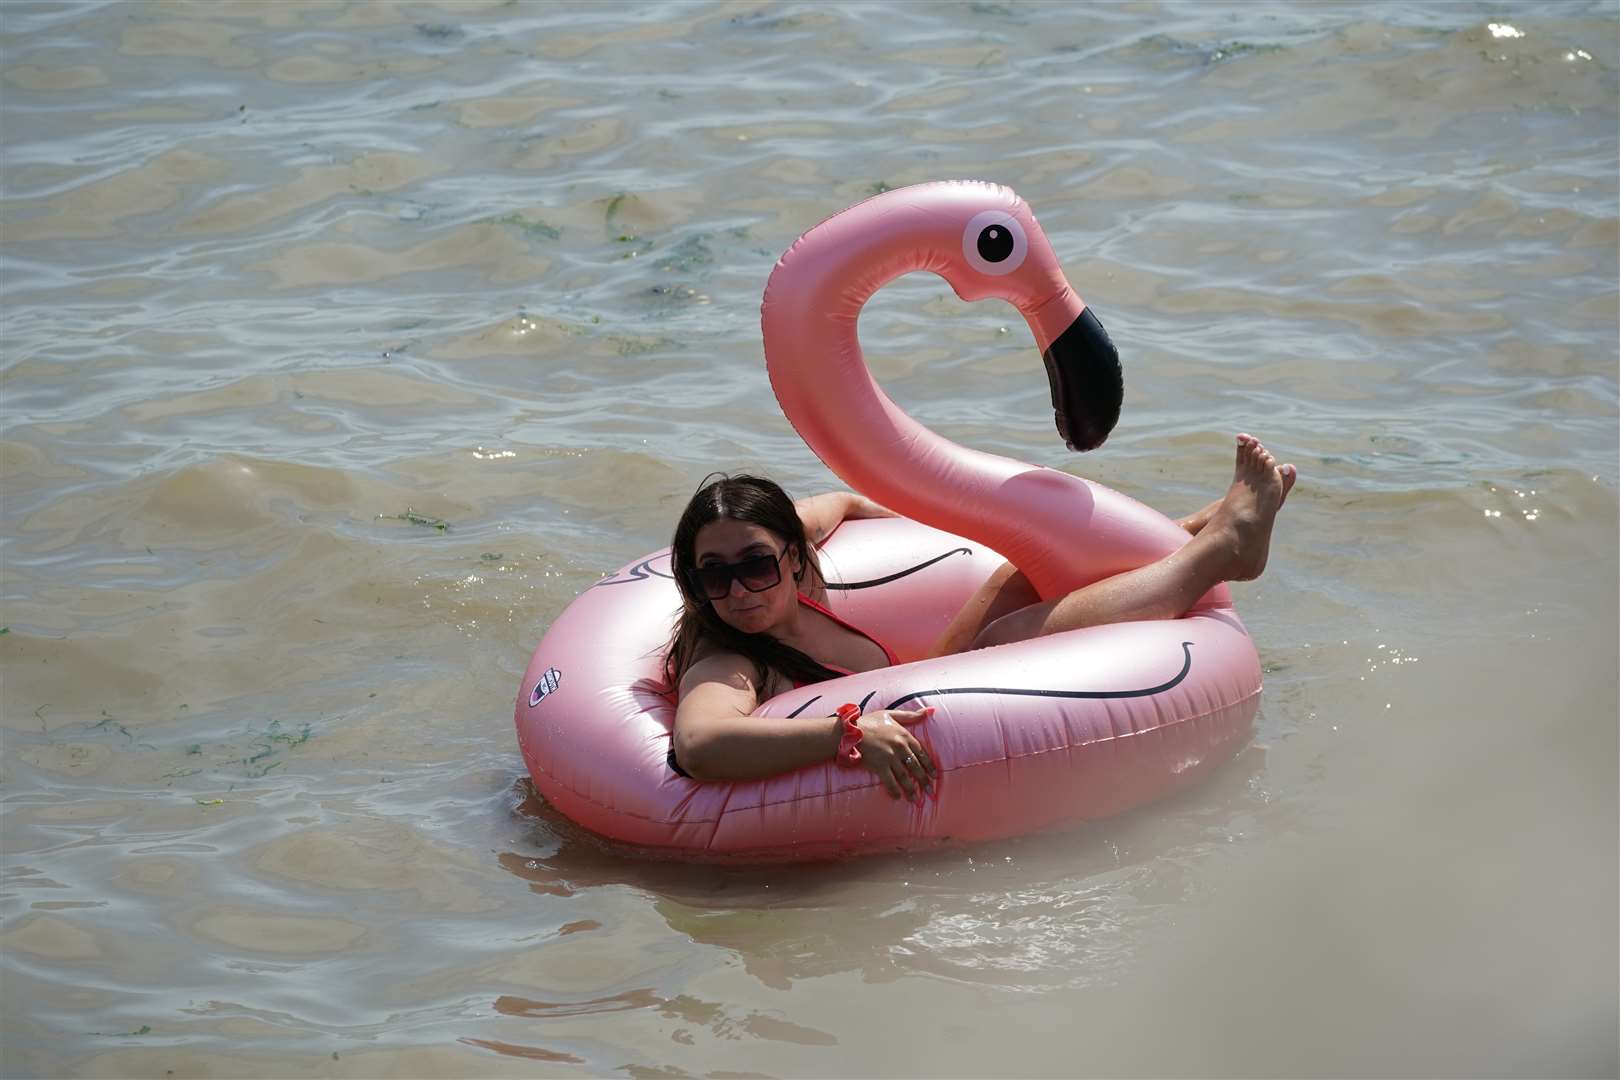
(439, 31)
(688, 255)
(274, 741)
(533, 228)
(108, 721)
(410, 516)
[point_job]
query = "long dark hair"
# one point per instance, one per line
(757, 501)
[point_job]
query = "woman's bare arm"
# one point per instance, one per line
(717, 739)
(822, 514)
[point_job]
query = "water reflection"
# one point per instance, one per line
(1034, 913)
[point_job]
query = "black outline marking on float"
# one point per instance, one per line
(639, 572)
(1003, 691)
(869, 696)
(897, 575)
(643, 570)
(1186, 667)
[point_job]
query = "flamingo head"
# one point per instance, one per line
(989, 244)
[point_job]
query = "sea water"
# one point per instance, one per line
(344, 344)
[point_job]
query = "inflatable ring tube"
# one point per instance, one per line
(1027, 736)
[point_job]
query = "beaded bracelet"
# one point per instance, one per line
(849, 751)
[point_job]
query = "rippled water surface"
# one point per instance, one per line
(345, 343)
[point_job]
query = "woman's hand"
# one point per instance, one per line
(821, 514)
(860, 506)
(894, 754)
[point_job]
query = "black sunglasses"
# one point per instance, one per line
(757, 573)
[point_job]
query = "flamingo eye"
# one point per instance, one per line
(993, 243)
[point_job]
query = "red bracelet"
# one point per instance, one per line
(849, 750)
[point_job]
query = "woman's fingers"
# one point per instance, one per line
(914, 760)
(908, 775)
(917, 770)
(924, 759)
(891, 783)
(907, 784)
(909, 769)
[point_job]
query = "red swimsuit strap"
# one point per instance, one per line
(847, 625)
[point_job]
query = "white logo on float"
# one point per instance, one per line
(548, 682)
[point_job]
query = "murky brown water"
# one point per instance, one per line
(285, 285)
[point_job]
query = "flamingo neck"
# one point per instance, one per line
(821, 378)
(1061, 531)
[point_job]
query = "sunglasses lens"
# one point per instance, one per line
(712, 581)
(759, 573)
(756, 574)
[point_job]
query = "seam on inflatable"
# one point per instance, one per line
(720, 818)
(1006, 751)
(1066, 748)
(620, 811)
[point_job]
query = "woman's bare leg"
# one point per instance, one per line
(1195, 521)
(1230, 545)
(1006, 591)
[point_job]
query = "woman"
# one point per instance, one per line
(754, 621)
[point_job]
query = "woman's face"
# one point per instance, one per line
(727, 541)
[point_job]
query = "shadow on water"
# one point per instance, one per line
(997, 913)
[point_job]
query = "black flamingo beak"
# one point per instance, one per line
(1088, 386)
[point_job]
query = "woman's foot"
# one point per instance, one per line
(1194, 523)
(1240, 525)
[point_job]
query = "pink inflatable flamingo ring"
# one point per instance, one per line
(1027, 736)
